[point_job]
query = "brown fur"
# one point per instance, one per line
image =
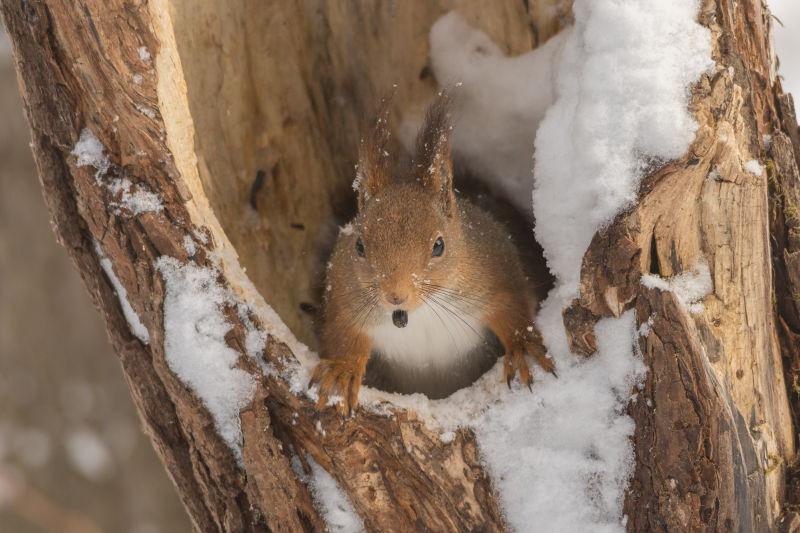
(398, 223)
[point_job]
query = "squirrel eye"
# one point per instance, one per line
(438, 248)
(360, 247)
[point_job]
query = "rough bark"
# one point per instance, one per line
(216, 104)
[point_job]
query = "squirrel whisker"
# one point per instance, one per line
(444, 305)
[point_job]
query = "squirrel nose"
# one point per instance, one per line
(395, 298)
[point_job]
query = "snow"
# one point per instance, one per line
(629, 107)
(490, 131)
(754, 167)
(333, 503)
(136, 199)
(134, 322)
(359, 179)
(447, 437)
(689, 287)
(189, 245)
(255, 340)
(195, 346)
(140, 201)
(149, 112)
(561, 460)
(89, 151)
(88, 454)
(144, 54)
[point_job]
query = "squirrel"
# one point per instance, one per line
(423, 287)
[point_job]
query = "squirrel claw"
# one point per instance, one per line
(335, 376)
(515, 363)
(536, 349)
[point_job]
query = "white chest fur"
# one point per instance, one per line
(434, 337)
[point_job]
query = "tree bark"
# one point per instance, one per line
(192, 99)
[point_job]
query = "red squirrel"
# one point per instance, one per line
(423, 285)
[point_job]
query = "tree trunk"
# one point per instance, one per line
(193, 100)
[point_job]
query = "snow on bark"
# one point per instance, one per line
(134, 322)
(136, 199)
(195, 346)
(333, 503)
(89, 151)
(689, 287)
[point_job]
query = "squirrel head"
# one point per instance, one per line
(407, 239)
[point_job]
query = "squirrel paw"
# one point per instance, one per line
(513, 363)
(337, 375)
(536, 349)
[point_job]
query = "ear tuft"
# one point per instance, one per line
(433, 161)
(372, 170)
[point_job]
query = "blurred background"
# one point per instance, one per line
(73, 457)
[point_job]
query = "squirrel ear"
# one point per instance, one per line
(433, 160)
(372, 171)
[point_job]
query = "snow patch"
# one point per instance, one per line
(628, 111)
(689, 287)
(629, 108)
(89, 151)
(144, 54)
(136, 199)
(336, 509)
(359, 179)
(195, 346)
(149, 112)
(754, 167)
(447, 436)
(496, 109)
(189, 245)
(646, 327)
(255, 340)
(562, 460)
(134, 322)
